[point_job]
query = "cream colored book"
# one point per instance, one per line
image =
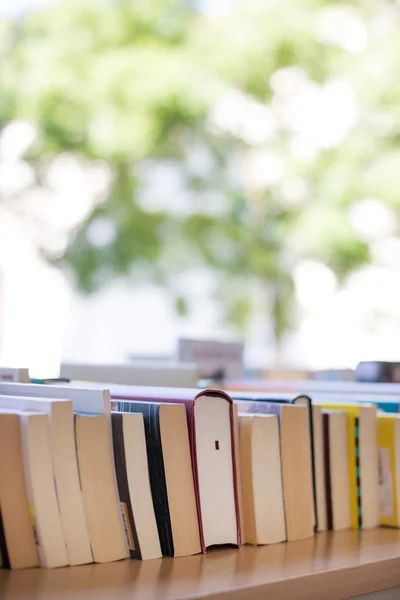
(42, 494)
(262, 489)
(319, 466)
(20, 551)
(336, 470)
(66, 472)
(100, 497)
(84, 400)
(131, 466)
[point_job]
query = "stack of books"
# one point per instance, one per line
(95, 472)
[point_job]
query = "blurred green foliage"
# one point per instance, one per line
(138, 84)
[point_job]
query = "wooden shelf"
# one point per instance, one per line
(328, 566)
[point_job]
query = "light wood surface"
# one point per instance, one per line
(327, 566)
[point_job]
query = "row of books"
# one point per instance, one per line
(99, 473)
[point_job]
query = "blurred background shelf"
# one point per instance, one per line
(328, 566)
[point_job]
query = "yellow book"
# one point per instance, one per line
(363, 462)
(389, 467)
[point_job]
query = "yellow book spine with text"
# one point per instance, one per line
(352, 414)
(387, 470)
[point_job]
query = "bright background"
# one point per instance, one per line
(263, 136)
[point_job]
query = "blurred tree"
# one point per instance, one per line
(272, 122)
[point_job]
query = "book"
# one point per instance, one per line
(336, 470)
(316, 448)
(296, 463)
(88, 400)
(138, 372)
(12, 374)
(210, 417)
(262, 490)
(312, 386)
(215, 360)
(362, 440)
(17, 540)
(132, 473)
(66, 472)
(171, 476)
(42, 494)
(384, 402)
(236, 436)
(334, 375)
(97, 475)
(378, 371)
(84, 399)
(319, 468)
(389, 469)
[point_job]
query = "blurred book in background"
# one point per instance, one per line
(16, 375)
(378, 371)
(215, 360)
(154, 373)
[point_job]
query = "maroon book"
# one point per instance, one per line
(210, 419)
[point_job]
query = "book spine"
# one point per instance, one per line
(25, 457)
(351, 460)
(155, 460)
(387, 471)
(123, 486)
(328, 484)
(306, 401)
(5, 560)
(358, 471)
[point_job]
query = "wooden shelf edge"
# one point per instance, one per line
(325, 567)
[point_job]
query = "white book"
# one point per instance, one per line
(83, 399)
(157, 373)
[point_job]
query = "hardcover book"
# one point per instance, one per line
(211, 426)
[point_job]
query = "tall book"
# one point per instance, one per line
(171, 476)
(296, 463)
(262, 489)
(336, 470)
(88, 402)
(319, 468)
(66, 472)
(17, 540)
(42, 494)
(100, 497)
(389, 468)
(132, 472)
(211, 425)
(362, 438)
